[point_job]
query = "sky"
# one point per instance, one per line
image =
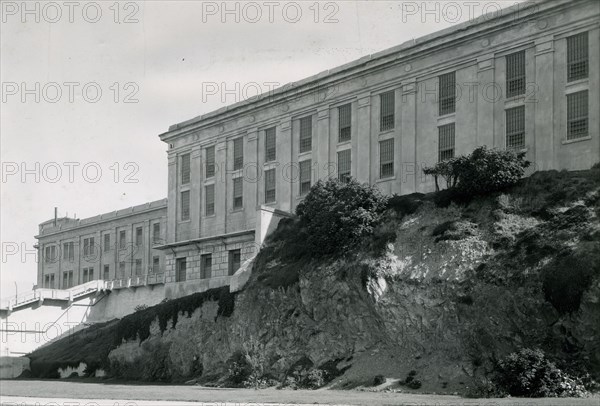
(88, 86)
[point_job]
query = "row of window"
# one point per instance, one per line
(89, 244)
(206, 263)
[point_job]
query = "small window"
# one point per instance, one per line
(344, 165)
(388, 111)
(386, 158)
(515, 74)
(90, 274)
(68, 251)
(122, 270)
(106, 275)
(270, 195)
(138, 236)
(181, 270)
(446, 142)
(185, 169)
(205, 266)
(515, 128)
(305, 134)
(235, 259)
(345, 123)
(447, 93)
(185, 205)
(238, 193)
(577, 115)
(122, 240)
(210, 162)
(138, 267)
(577, 57)
(106, 242)
(209, 199)
(88, 246)
(155, 264)
(305, 176)
(156, 233)
(270, 144)
(238, 153)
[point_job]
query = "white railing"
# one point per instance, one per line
(54, 294)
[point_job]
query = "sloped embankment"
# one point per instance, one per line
(442, 290)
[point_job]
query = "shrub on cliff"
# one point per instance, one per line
(338, 215)
(483, 171)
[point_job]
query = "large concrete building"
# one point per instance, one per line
(526, 79)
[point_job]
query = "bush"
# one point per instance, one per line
(529, 374)
(238, 369)
(338, 215)
(482, 172)
(378, 380)
(140, 307)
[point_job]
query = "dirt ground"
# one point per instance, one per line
(32, 392)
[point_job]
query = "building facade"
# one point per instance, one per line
(526, 79)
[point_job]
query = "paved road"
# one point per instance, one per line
(51, 392)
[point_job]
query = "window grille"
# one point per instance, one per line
(447, 93)
(185, 205)
(209, 200)
(305, 134)
(305, 176)
(106, 242)
(515, 74)
(386, 158)
(185, 169)
(387, 114)
(206, 266)
(577, 57)
(577, 115)
(345, 123)
(344, 164)
(156, 233)
(155, 264)
(238, 193)
(238, 153)
(181, 266)
(446, 142)
(210, 162)
(138, 236)
(270, 188)
(122, 240)
(138, 267)
(515, 128)
(270, 144)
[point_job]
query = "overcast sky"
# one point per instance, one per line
(165, 58)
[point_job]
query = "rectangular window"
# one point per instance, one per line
(270, 144)
(388, 110)
(235, 259)
(68, 251)
(446, 142)
(210, 162)
(155, 264)
(209, 199)
(238, 153)
(238, 193)
(47, 257)
(138, 236)
(122, 270)
(205, 266)
(305, 134)
(577, 57)
(156, 233)
(47, 281)
(386, 158)
(305, 176)
(106, 242)
(185, 169)
(65, 281)
(85, 275)
(122, 240)
(344, 164)
(515, 74)
(577, 115)
(180, 265)
(185, 205)
(270, 195)
(90, 274)
(138, 267)
(515, 128)
(106, 275)
(88, 246)
(345, 122)
(447, 93)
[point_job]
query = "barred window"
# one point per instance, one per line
(447, 93)
(386, 158)
(305, 176)
(210, 162)
(577, 57)
(122, 240)
(577, 115)
(138, 267)
(270, 195)
(515, 128)
(185, 169)
(238, 153)
(388, 108)
(209, 200)
(156, 233)
(515, 74)
(345, 122)
(138, 236)
(238, 193)
(446, 142)
(185, 205)
(235, 260)
(344, 164)
(155, 264)
(181, 270)
(106, 242)
(270, 144)
(305, 134)
(205, 266)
